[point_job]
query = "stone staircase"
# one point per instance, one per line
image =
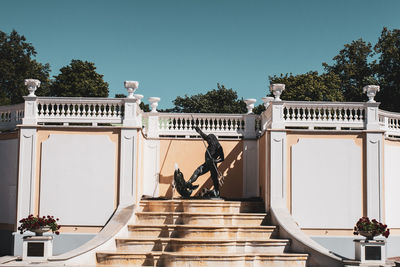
(183, 232)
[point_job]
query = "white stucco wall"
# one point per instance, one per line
(326, 183)
(78, 178)
(8, 180)
(392, 184)
(151, 168)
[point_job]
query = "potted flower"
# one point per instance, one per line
(370, 228)
(39, 225)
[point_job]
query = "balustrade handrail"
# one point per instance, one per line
(11, 115)
(383, 113)
(19, 106)
(323, 103)
(66, 100)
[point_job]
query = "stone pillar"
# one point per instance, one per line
(374, 156)
(277, 150)
(27, 154)
(128, 147)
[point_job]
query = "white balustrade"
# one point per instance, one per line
(324, 114)
(182, 124)
(80, 110)
(10, 116)
(390, 123)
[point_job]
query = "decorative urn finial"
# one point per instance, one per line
(131, 87)
(277, 89)
(154, 103)
(250, 104)
(32, 85)
(371, 91)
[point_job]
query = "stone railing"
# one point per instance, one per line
(10, 116)
(126, 112)
(53, 110)
(334, 115)
(181, 125)
(390, 123)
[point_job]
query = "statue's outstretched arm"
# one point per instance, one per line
(203, 135)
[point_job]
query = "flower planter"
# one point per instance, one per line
(39, 231)
(368, 235)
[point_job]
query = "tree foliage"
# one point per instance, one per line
(220, 100)
(388, 69)
(353, 69)
(79, 78)
(16, 64)
(310, 87)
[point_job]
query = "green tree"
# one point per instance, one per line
(388, 69)
(221, 100)
(353, 68)
(16, 64)
(310, 86)
(79, 78)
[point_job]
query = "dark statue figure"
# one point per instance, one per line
(180, 184)
(214, 154)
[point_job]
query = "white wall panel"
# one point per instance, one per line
(151, 168)
(392, 185)
(250, 169)
(78, 178)
(326, 183)
(8, 180)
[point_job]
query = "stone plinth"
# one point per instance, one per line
(37, 248)
(370, 252)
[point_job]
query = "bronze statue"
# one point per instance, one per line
(214, 154)
(181, 185)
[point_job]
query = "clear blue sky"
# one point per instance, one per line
(183, 47)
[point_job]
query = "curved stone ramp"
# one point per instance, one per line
(120, 219)
(300, 242)
(201, 233)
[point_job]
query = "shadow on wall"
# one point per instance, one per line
(189, 160)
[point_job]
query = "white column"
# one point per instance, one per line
(277, 150)
(374, 162)
(128, 146)
(250, 127)
(127, 182)
(27, 154)
(153, 126)
(131, 105)
(278, 169)
(30, 112)
(277, 115)
(27, 172)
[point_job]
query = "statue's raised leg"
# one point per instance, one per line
(202, 169)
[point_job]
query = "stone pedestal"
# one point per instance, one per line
(370, 252)
(37, 248)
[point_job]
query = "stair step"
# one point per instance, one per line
(201, 218)
(201, 245)
(175, 259)
(204, 231)
(218, 206)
